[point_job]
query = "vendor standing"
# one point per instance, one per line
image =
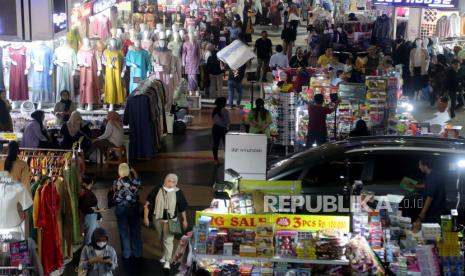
(434, 200)
(317, 130)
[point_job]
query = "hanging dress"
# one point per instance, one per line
(165, 60)
(141, 58)
(66, 63)
(18, 80)
(88, 88)
(41, 59)
(113, 90)
(2, 82)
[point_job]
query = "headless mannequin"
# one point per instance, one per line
(114, 61)
(164, 66)
(66, 64)
(437, 48)
(17, 46)
(143, 28)
(419, 60)
(139, 61)
(37, 67)
(175, 46)
(147, 43)
(86, 66)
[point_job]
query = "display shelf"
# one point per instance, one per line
(342, 261)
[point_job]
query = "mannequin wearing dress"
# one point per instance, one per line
(66, 66)
(18, 73)
(147, 43)
(175, 46)
(163, 66)
(419, 60)
(112, 59)
(143, 28)
(40, 65)
(437, 48)
(191, 60)
(89, 67)
(138, 60)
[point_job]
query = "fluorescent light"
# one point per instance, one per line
(461, 163)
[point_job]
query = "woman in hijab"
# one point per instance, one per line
(98, 258)
(113, 135)
(35, 135)
(166, 203)
(6, 124)
(73, 130)
(63, 108)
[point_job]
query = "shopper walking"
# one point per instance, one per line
(259, 119)
(126, 197)
(317, 129)
(165, 206)
(216, 75)
(278, 61)
(88, 205)
(452, 86)
(235, 85)
(288, 36)
(264, 49)
(220, 117)
(98, 258)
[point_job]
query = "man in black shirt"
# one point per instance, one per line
(263, 48)
(452, 85)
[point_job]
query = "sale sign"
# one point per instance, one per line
(280, 221)
(432, 4)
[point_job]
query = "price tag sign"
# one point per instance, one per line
(158, 68)
(9, 136)
(38, 67)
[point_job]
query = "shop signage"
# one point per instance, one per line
(280, 221)
(59, 17)
(9, 136)
(433, 4)
(101, 5)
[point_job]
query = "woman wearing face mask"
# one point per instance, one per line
(164, 203)
(98, 258)
(299, 60)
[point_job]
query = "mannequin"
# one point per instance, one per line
(114, 35)
(147, 43)
(90, 68)
(143, 28)
(175, 46)
(437, 48)
(165, 17)
(18, 73)
(168, 35)
(129, 41)
(66, 64)
(40, 64)
(138, 60)
(419, 60)
(191, 60)
(425, 44)
(163, 65)
(113, 60)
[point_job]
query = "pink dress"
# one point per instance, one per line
(88, 76)
(191, 62)
(18, 80)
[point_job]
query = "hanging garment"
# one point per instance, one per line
(176, 47)
(454, 23)
(443, 27)
(18, 80)
(74, 38)
(100, 27)
(72, 179)
(41, 59)
(126, 44)
(2, 82)
(462, 25)
(191, 61)
(163, 62)
(140, 58)
(141, 138)
(66, 63)
(88, 76)
(35, 218)
(65, 217)
(381, 28)
(52, 258)
(113, 88)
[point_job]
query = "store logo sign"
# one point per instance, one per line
(60, 20)
(283, 222)
(446, 4)
(101, 5)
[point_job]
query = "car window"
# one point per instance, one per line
(329, 173)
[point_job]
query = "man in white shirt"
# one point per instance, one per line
(278, 60)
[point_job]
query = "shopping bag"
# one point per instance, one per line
(174, 226)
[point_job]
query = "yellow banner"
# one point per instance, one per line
(280, 187)
(9, 136)
(280, 221)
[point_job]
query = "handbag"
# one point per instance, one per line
(174, 226)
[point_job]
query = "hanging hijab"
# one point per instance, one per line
(74, 123)
(114, 118)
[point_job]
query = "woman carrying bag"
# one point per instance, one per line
(167, 204)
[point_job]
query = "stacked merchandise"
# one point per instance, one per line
(449, 253)
(286, 114)
(428, 260)
(376, 100)
(363, 260)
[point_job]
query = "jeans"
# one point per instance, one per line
(454, 98)
(166, 238)
(317, 137)
(128, 219)
(219, 134)
(90, 224)
(216, 85)
(287, 49)
(234, 85)
(262, 65)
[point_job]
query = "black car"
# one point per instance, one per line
(379, 162)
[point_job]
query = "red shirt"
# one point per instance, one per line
(317, 117)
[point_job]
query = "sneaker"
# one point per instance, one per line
(167, 266)
(162, 260)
